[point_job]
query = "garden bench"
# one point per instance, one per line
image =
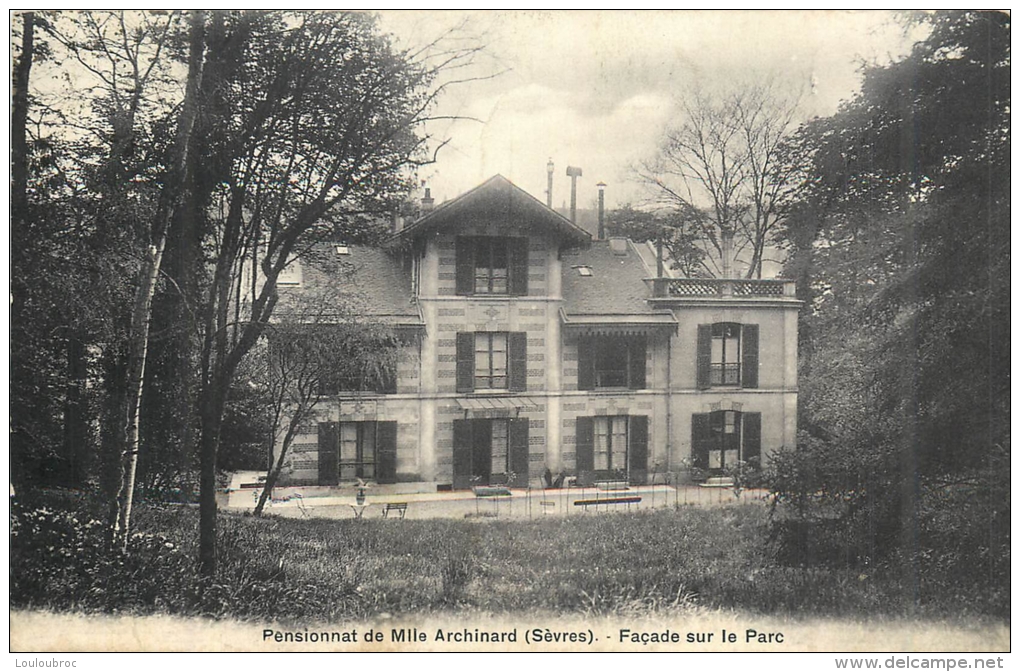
(491, 491)
(398, 507)
(598, 501)
(547, 505)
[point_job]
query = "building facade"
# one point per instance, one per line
(530, 350)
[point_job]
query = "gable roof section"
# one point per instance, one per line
(615, 292)
(499, 200)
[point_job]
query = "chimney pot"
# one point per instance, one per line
(427, 201)
(574, 173)
(549, 167)
(602, 210)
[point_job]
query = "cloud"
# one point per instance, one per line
(595, 89)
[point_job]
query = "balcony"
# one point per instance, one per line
(680, 288)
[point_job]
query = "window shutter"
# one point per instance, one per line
(704, 355)
(749, 356)
(481, 451)
(638, 448)
(585, 446)
(752, 438)
(518, 266)
(329, 453)
(518, 346)
(386, 452)
(730, 441)
(465, 265)
(701, 439)
(465, 361)
(585, 363)
(519, 451)
(462, 444)
(637, 350)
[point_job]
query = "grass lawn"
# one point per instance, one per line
(640, 564)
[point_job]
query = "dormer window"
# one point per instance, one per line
(343, 250)
(492, 265)
(584, 271)
(291, 275)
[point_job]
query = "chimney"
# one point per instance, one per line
(548, 189)
(427, 201)
(727, 252)
(573, 173)
(602, 210)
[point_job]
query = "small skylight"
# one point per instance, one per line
(584, 271)
(343, 249)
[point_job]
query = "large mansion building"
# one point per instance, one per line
(529, 347)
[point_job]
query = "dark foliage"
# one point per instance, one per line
(900, 244)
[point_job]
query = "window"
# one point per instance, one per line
(721, 439)
(725, 364)
(490, 360)
(352, 450)
(491, 259)
(357, 450)
(352, 375)
(611, 361)
(496, 265)
(611, 446)
(727, 355)
(611, 443)
(490, 451)
(331, 360)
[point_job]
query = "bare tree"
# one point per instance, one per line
(315, 346)
(141, 316)
(323, 121)
(304, 365)
(723, 164)
(123, 92)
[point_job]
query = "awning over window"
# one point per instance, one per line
(496, 403)
(618, 324)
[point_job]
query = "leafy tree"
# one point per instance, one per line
(901, 246)
(909, 234)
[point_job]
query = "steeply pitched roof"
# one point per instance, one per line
(616, 285)
(499, 200)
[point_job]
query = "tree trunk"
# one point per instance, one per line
(112, 432)
(149, 274)
(267, 491)
(76, 430)
(213, 401)
(19, 120)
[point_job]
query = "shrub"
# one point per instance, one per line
(59, 559)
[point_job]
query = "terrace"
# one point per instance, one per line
(714, 288)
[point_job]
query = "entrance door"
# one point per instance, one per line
(490, 451)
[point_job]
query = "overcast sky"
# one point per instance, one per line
(596, 89)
